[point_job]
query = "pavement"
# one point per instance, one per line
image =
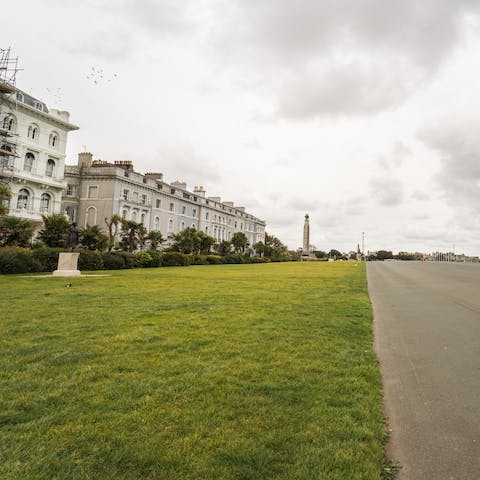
(427, 337)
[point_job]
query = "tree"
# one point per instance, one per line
(55, 230)
(259, 248)
(155, 238)
(272, 241)
(239, 241)
(16, 232)
(186, 241)
(132, 235)
(224, 247)
(320, 254)
(5, 195)
(384, 255)
(93, 238)
(112, 224)
(206, 242)
(335, 254)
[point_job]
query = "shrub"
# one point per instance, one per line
(129, 259)
(171, 259)
(18, 260)
(200, 260)
(112, 261)
(234, 258)
(143, 259)
(258, 260)
(90, 260)
(157, 258)
(214, 259)
(48, 257)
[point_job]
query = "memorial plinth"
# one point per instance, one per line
(67, 265)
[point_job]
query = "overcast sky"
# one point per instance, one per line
(363, 113)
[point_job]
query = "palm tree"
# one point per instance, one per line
(5, 195)
(93, 238)
(112, 224)
(156, 239)
(239, 241)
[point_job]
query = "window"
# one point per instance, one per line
(142, 219)
(8, 123)
(235, 224)
(70, 213)
(184, 209)
(92, 191)
(172, 206)
(206, 216)
(4, 157)
(53, 139)
(134, 216)
(172, 191)
(125, 194)
(45, 203)
(158, 203)
(144, 199)
(170, 226)
(33, 132)
(156, 223)
(91, 216)
(71, 190)
(206, 229)
(23, 199)
(193, 225)
(194, 212)
(28, 163)
(135, 197)
(124, 213)
(182, 226)
(50, 167)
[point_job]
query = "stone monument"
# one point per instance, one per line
(306, 253)
(67, 262)
(67, 265)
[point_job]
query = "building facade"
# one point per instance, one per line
(98, 189)
(33, 141)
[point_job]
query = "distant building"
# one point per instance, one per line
(33, 140)
(98, 189)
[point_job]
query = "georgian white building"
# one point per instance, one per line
(33, 141)
(98, 189)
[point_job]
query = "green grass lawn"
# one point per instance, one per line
(206, 372)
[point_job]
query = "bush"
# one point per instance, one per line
(172, 259)
(214, 259)
(18, 260)
(90, 260)
(200, 260)
(112, 261)
(258, 260)
(48, 257)
(157, 258)
(234, 258)
(143, 259)
(129, 259)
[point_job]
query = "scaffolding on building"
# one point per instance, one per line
(8, 114)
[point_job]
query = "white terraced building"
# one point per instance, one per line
(98, 189)
(33, 141)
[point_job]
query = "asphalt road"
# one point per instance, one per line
(427, 336)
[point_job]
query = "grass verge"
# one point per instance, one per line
(211, 372)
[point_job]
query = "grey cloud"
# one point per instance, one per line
(162, 16)
(458, 145)
(420, 196)
(387, 191)
(395, 158)
(187, 165)
(337, 57)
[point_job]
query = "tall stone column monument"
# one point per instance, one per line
(306, 237)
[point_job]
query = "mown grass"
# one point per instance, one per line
(209, 372)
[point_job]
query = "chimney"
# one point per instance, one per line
(155, 176)
(199, 190)
(125, 164)
(85, 159)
